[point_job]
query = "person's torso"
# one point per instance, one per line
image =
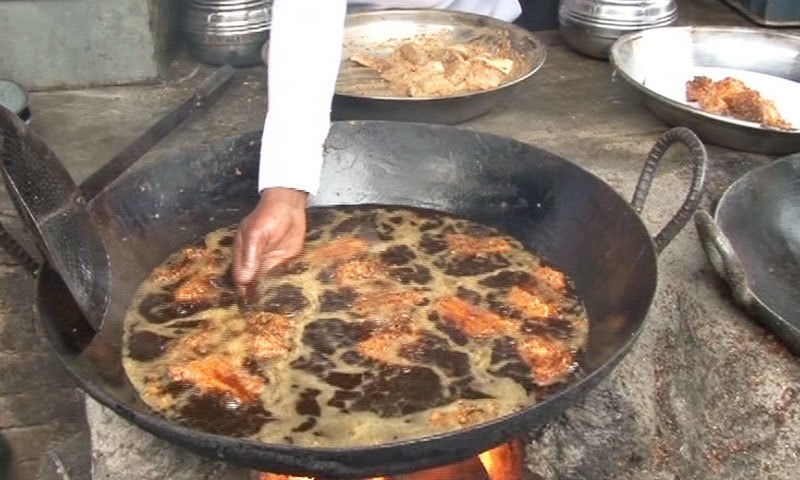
(508, 10)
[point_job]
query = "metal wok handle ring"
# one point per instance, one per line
(723, 257)
(699, 159)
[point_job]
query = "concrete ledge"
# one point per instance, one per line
(56, 44)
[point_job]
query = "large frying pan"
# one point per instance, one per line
(567, 214)
(753, 241)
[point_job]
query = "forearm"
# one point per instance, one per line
(303, 63)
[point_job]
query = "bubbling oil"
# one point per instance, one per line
(394, 324)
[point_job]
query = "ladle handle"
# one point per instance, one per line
(723, 257)
(699, 159)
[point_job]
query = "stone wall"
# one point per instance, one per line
(63, 44)
(39, 403)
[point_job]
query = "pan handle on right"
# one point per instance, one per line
(723, 257)
(690, 204)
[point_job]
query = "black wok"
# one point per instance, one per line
(571, 217)
(753, 242)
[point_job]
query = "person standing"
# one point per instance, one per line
(304, 55)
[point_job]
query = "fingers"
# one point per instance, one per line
(272, 234)
(246, 253)
(275, 258)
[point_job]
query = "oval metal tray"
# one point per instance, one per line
(658, 62)
(361, 94)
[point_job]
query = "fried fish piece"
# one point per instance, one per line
(732, 97)
(429, 66)
(503, 65)
(463, 413)
(468, 245)
(197, 289)
(750, 105)
(529, 304)
(412, 53)
(270, 335)
(384, 345)
(197, 343)
(219, 375)
(339, 249)
(703, 90)
(359, 269)
(473, 321)
(384, 304)
(190, 259)
(366, 61)
(550, 360)
(551, 277)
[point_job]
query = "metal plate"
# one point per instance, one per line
(362, 95)
(13, 96)
(658, 62)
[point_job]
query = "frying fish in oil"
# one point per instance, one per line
(395, 323)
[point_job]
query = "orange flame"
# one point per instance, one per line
(503, 462)
(275, 476)
(500, 463)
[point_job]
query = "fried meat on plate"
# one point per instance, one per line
(431, 66)
(731, 97)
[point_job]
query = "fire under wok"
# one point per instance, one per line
(569, 216)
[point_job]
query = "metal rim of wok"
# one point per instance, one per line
(368, 162)
(536, 54)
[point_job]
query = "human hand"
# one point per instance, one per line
(271, 234)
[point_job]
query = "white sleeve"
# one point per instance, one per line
(305, 51)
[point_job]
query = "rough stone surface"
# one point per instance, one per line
(68, 460)
(705, 393)
(84, 42)
(122, 451)
(38, 401)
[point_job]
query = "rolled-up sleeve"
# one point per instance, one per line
(304, 55)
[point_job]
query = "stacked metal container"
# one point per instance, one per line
(226, 31)
(592, 26)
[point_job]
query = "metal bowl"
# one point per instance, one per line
(231, 32)
(14, 97)
(658, 62)
(592, 26)
(595, 39)
(361, 95)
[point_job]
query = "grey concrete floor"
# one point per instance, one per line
(39, 403)
(576, 110)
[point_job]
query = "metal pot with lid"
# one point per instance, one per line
(592, 26)
(230, 32)
(15, 98)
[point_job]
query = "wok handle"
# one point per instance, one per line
(723, 257)
(690, 204)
